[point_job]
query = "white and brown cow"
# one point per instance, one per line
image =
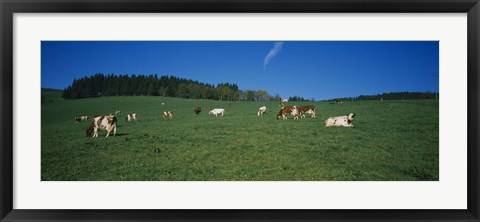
(262, 110)
(167, 114)
(308, 110)
(131, 116)
(288, 110)
(107, 123)
(340, 120)
(81, 118)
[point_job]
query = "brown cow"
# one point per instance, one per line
(197, 110)
(306, 109)
(292, 110)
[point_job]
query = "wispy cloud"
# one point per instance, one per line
(277, 47)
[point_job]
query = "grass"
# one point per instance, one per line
(390, 141)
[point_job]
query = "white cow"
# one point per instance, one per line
(262, 110)
(340, 120)
(216, 112)
(107, 123)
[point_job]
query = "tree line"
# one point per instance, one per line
(152, 85)
(298, 98)
(394, 96)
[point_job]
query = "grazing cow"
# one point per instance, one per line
(118, 112)
(262, 110)
(306, 109)
(197, 110)
(292, 110)
(81, 118)
(338, 101)
(130, 117)
(107, 123)
(340, 120)
(216, 112)
(167, 114)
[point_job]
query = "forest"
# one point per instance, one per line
(99, 85)
(394, 96)
(151, 85)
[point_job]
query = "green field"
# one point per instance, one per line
(390, 141)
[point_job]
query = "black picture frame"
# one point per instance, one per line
(9, 7)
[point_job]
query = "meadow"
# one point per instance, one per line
(390, 141)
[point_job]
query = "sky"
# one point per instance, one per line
(311, 69)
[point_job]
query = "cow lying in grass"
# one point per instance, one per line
(340, 120)
(262, 110)
(167, 114)
(288, 110)
(81, 118)
(107, 123)
(306, 109)
(217, 112)
(130, 117)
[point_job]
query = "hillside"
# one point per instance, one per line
(390, 141)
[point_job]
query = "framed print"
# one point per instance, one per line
(231, 110)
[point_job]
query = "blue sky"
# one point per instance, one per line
(311, 69)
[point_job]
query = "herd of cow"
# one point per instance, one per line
(109, 123)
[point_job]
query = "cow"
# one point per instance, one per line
(167, 114)
(306, 109)
(130, 117)
(217, 111)
(292, 110)
(340, 120)
(282, 102)
(197, 110)
(81, 118)
(262, 110)
(107, 123)
(118, 112)
(338, 101)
